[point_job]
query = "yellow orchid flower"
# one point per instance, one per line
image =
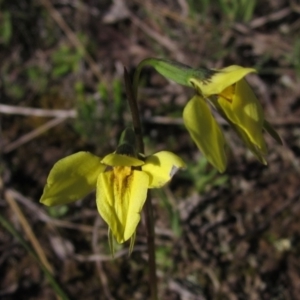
(121, 182)
(227, 90)
(237, 103)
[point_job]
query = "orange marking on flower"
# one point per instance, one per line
(121, 179)
(228, 93)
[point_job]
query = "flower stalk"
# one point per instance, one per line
(131, 99)
(136, 121)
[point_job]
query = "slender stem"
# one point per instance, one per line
(151, 245)
(131, 98)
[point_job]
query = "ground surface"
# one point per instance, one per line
(229, 236)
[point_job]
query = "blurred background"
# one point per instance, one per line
(218, 236)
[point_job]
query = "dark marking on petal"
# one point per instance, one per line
(207, 74)
(122, 178)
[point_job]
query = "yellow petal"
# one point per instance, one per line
(252, 147)
(114, 159)
(72, 178)
(245, 111)
(121, 194)
(161, 167)
(220, 80)
(205, 132)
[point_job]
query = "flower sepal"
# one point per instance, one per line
(72, 178)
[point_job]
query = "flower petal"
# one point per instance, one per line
(121, 194)
(245, 111)
(72, 178)
(249, 144)
(161, 167)
(220, 80)
(114, 159)
(205, 132)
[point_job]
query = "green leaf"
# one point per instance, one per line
(172, 70)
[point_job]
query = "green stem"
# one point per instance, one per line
(131, 98)
(151, 246)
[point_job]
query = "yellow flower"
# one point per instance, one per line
(226, 90)
(121, 182)
(230, 94)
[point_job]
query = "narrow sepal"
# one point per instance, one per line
(111, 242)
(132, 241)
